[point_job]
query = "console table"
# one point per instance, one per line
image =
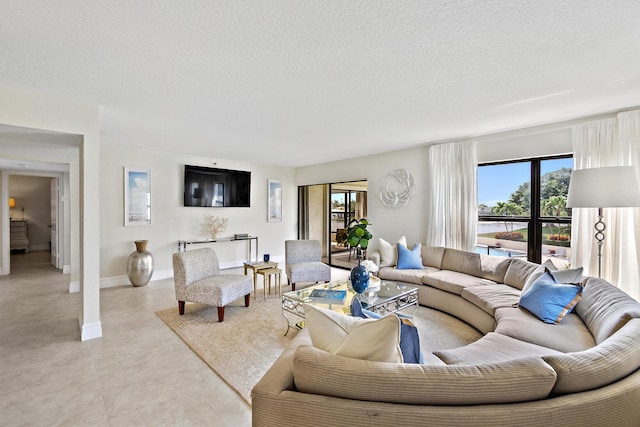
(182, 244)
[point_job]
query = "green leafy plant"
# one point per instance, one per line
(358, 235)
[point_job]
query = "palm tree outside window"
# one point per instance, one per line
(522, 209)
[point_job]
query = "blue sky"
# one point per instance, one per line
(496, 183)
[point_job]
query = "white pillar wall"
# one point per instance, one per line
(81, 145)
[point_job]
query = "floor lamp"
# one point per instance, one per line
(607, 187)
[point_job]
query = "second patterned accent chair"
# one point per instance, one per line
(197, 278)
(303, 262)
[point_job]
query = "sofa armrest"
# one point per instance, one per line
(279, 377)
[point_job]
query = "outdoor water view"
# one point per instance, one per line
(506, 208)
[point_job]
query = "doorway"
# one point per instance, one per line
(324, 214)
(37, 221)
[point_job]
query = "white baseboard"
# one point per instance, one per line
(110, 282)
(90, 331)
(66, 269)
(74, 287)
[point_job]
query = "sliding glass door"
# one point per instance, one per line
(324, 213)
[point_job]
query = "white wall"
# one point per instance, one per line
(410, 220)
(171, 221)
(386, 222)
(318, 205)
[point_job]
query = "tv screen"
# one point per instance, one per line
(212, 187)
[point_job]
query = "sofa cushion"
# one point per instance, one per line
(453, 281)
(494, 267)
(613, 359)
(409, 276)
(432, 256)
(492, 296)
(462, 262)
(605, 308)
(409, 258)
(570, 335)
(519, 271)
(370, 339)
(321, 373)
(490, 349)
(549, 300)
(389, 252)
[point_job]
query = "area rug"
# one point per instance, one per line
(243, 347)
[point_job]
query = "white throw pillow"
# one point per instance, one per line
(535, 274)
(376, 340)
(389, 252)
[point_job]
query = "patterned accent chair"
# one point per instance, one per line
(303, 262)
(197, 278)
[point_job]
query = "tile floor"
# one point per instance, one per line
(138, 374)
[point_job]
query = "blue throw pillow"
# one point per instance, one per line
(409, 339)
(409, 259)
(550, 301)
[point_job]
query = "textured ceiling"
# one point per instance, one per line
(295, 82)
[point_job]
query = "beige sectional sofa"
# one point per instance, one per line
(522, 372)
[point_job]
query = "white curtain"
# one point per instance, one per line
(610, 142)
(629, 247)
(452, 215)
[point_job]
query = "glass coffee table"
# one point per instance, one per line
(383, 297)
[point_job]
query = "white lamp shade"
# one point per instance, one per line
(608, 187)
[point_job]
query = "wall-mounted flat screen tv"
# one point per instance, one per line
(213, 187)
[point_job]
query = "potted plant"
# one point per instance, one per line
(358, 236)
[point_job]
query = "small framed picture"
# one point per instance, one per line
(137, 197)
(274, 211)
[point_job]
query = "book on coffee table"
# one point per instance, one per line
(328, 296)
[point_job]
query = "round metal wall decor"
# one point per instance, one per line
(395, 199)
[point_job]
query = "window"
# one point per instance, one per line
(522, 209)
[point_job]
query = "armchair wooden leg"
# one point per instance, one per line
(247, 299)
(181, 307)
(220, 313)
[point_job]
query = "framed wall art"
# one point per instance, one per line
(274, 211)
(137, 197)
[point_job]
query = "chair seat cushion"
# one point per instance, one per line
(308, 272)
(218, 290)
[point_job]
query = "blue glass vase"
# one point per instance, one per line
(359, 278)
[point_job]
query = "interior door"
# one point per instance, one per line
(55, 259)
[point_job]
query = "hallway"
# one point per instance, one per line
(138, 373)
